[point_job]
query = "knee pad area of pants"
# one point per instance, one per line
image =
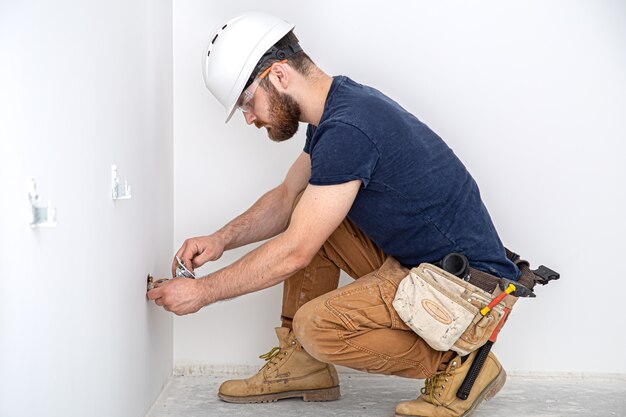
(307, 330)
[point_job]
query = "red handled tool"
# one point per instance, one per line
(508, 287)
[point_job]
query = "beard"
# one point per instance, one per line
(284, 115)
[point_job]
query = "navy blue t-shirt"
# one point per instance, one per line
(417, 201)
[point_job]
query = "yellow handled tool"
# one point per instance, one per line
(509, 289)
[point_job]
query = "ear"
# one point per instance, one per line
(282, 73)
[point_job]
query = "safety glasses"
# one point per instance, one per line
(245, 103)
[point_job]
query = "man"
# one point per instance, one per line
(374, 193)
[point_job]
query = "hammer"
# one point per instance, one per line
(508, 287)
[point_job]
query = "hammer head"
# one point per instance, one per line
(520, 290)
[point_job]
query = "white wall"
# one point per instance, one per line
(84, 85)
(530, 94)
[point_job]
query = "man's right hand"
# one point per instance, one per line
(197, 251)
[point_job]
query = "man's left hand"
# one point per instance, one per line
(179, 295)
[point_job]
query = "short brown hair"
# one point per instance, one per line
(299, 61)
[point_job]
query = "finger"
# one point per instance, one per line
(201, 259)
(186, 264)
(185, 248)
(186, 253)
(187, 256)
(158, 290)
(154, 293)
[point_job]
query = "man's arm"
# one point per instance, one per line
(266, 218)
(319, 212)
(270, 214)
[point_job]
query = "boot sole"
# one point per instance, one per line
(489, 392)
(326, 394)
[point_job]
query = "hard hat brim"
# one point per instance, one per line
(230, 114)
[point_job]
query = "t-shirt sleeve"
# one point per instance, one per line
(341, 153)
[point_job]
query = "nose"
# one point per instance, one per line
(250, 118)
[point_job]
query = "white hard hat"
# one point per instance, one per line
(234, 51)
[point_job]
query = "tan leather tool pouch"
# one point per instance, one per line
(444, 310)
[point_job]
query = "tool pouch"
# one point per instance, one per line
(444, 310)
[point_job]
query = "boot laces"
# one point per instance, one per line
(433, 386)
(269, 356)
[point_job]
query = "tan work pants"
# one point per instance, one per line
(356, 325)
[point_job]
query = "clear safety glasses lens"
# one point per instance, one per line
(245, 103)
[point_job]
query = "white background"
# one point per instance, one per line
(531, 95)
(84, 85)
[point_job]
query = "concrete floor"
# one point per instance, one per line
(376, 395)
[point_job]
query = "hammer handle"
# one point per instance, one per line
(467, 384)
(497, 300)
(472, 374)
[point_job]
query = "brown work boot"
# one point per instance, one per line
(289, 372)
(439, 398)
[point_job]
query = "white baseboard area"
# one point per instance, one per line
(207, 369)
(204, 369)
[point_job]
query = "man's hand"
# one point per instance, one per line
(179, 295)
(197, 251)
